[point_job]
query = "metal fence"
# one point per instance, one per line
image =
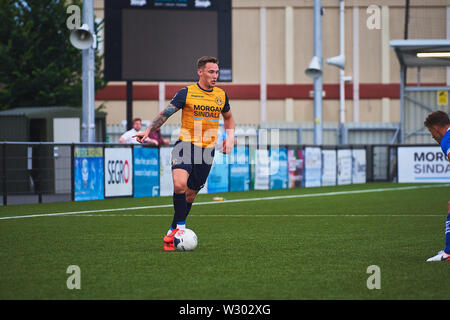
(44, 172)
(294, 133)
(419, 102)
(36, 172)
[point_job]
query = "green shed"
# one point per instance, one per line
(47, 124)
(42, 168)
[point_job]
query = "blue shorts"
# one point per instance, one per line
(195, 160)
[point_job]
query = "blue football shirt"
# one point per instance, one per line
(445, 144)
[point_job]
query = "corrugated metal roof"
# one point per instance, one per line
(407, 50)
(47, 112)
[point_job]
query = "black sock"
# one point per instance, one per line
(180, 207)
(188, 207)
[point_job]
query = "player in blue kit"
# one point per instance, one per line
(438, 123)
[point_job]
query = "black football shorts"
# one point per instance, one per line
(197, 161)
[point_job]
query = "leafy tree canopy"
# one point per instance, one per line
(38, 65)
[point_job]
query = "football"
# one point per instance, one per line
(185, 240)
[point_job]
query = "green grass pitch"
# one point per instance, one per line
(287, 247)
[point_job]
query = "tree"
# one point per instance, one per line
(38, 65)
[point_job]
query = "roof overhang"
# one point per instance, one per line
(407, 51)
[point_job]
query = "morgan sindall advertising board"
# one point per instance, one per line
(422, 164)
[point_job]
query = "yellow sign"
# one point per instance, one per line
(442, 97)
(86, 152)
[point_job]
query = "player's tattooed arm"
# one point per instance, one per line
(162, 117)
(157, 122)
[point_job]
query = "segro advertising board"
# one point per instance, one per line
(118, 172)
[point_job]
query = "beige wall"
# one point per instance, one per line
(275, 46)
(369, 52)
(427, 20)
(303, 110)
(246, 111)
(275, 110)
(116, 110)
(246, 59)
(303, 43)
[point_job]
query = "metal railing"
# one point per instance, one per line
(294, 133)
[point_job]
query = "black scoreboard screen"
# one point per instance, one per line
(161, 40)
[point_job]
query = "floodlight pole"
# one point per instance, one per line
(402, 102)
(342, 139)
(88, 86)
(318, 82)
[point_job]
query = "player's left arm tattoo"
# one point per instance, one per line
(162, 117)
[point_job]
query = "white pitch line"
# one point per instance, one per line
(87, 211)
(265, 215)
(229, 201)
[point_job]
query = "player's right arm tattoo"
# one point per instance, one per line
(162, 117)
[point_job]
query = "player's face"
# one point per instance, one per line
(208, 75)
(435, 134)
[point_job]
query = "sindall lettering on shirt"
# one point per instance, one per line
(207, 111)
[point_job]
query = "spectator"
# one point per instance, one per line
(127, 137)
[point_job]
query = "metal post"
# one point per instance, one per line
(5, 192)
(72, 171)
(162, 95)
(263, 66)
(407, 5)
(402, 103)
(39, 171)
(341, 75)
(418, 76)
(355, 64)
(299, 135)
(372, 152)
(406, 19)
(88, 121)
(289, 63)
(129, 104)
(318, 82)
(448, 37)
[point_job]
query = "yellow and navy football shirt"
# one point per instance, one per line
(201, 112)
